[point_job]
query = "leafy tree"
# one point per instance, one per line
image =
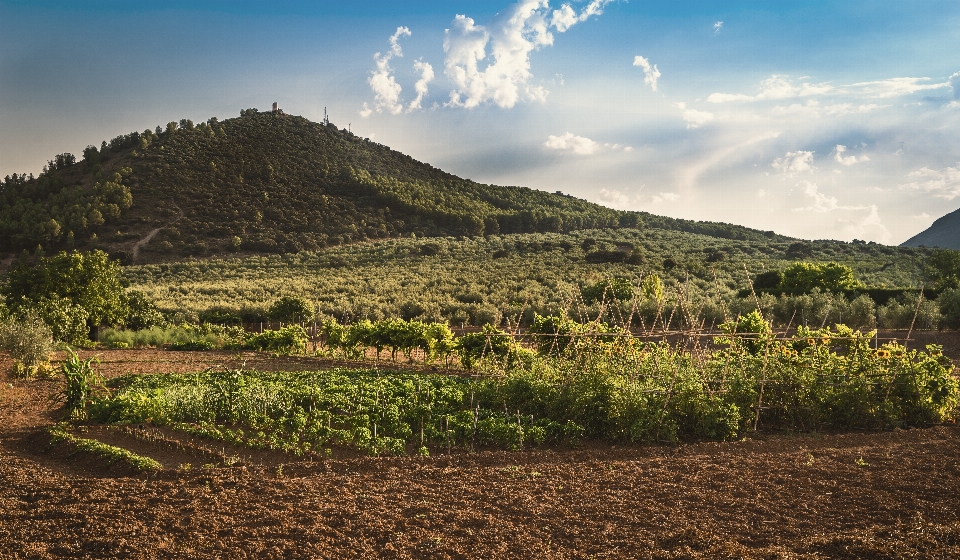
(769, 280)
(67, 281)
(943, 268)
(290, 309)
(801, 277)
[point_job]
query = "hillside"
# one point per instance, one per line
(945, 233)
(275, 183)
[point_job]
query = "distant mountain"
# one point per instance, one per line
(945, 233)
(275, 183)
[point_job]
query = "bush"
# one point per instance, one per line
(291, 339)
(29, 341)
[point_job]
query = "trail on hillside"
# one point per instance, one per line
(146, 239)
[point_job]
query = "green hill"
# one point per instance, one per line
(275, 183)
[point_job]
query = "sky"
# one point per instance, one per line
(817, 119)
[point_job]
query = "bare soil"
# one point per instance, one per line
(856, 495)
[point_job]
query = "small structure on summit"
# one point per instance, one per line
(277, 109)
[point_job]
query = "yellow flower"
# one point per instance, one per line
(811, 341)
(883, 353)
(825, 340)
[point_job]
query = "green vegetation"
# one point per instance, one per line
(82, 381)
(511, 278)
(59, 434)
(29, 341)
(73, 292)
(617, 388)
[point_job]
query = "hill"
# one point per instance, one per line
(945, 233)
(275, 183)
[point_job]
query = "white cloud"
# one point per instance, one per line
(774, 87)
(851, 221)
(693, 117)
(942, 183)
(571, 143)
(566, 17)
(781, 87)
(794, 162)
(385, 87)
(664, 197)
(512, 35)
(426, 76)
(650, 73)
(717, 27)
(812, 108)
(615, 198)
(921, 216)
(895, 87)
(954, 82)
(847, 160)
(821, 202)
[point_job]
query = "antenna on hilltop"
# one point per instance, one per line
(326, 120)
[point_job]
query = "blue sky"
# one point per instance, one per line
(818, 119)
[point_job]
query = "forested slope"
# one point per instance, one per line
(275, 183)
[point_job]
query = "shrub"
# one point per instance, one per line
(291, 339)
(29, 341)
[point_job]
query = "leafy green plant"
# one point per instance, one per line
(81, 385)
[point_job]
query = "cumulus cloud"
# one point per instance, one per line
(426, 76)
(942, 183)
(385, 87)
(573, 144)
(503, 75)
(693, 117)
(847, 160)
(566, 17)
(650, 73)
(794, 162)
(954, 82)
(717, 27)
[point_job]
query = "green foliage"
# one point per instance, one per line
(290, 309)
(29, 341)
(113, 454)
(82, 382)
(801, 277)
(143, 313)
(490, 345)
(67, 287)
(943, 268)
(949, 304)
(554, 334)
(751, 330)
(612, 389)
(46, 209)
(291, 339)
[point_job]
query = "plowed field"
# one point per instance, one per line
(864, 495)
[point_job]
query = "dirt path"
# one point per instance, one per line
(135, 251)
(875, 495)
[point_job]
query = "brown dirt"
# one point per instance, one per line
(874, 495)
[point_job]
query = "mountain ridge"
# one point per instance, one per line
(268, 182)
(944, 232)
